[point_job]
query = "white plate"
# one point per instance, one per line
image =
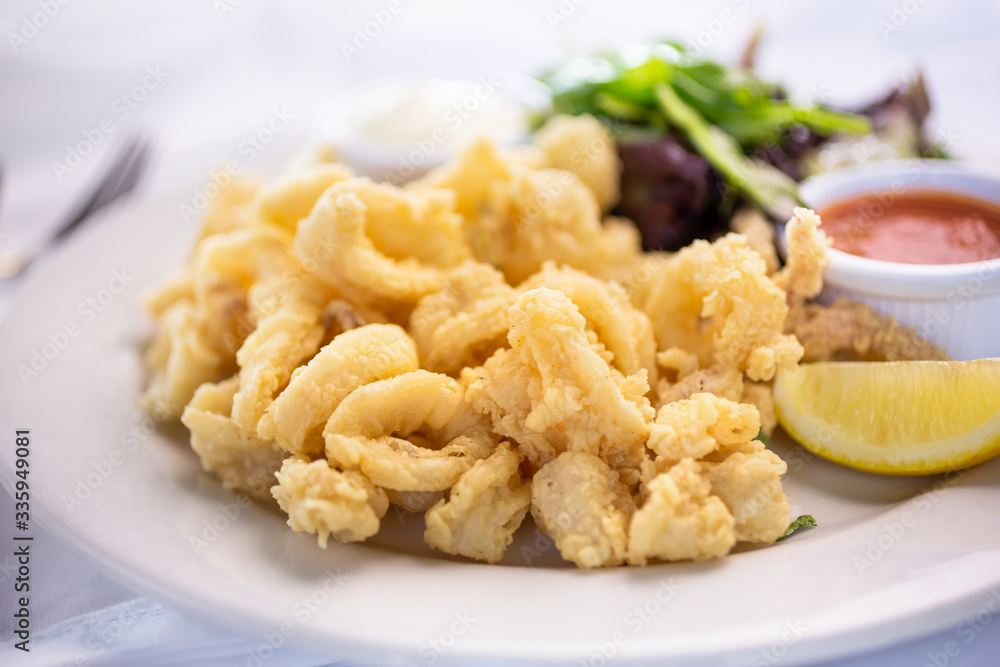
(890, 560)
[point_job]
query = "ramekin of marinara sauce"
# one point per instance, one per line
(915, 227)
(919, 240)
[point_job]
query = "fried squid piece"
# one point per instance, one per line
(484, 508)
(761, 396)
(466, 321)
(697, 426)
(242, 462)
(553, 391)
(748, 481)
(340, 316)
(802, 277)
(751, 223)
(680, 519)
(582, 145)
(723, 382)
(295, 419)
(579, 501)
(717, 301)
(718, 380)
(550, 214)
(625, 331)
(198, 334)
(848, 331)
(379, 245)
(279, 345)
(328, 502)
(414, 501)
(227, 211)
(287, 200)
(471, 175)
(180, 359)
(177, 287)
(369, 429)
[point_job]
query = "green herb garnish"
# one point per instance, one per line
(803, 521)
(726, 112)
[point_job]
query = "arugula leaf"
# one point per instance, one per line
(802, 522)
(725, 113)
(775, 191)
(621, 85)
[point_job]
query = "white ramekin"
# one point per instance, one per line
(955, 306)
(339, 120)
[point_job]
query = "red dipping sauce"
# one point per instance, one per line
(915, 227)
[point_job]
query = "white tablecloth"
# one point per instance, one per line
(209, 71)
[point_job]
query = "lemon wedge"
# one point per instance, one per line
(897, 418)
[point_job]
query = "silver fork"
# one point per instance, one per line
(121, 178)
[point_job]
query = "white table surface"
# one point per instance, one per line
(225, 66)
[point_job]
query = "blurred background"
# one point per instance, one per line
(199, 78)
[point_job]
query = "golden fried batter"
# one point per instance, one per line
(698, 426)
(625, 331)
(582, 145)
(355, 358)
(242, 462)
(716, 301)
(680, 520)
(553, 391)
(847, 330)
(288, 200)
(464, 322)
(328, 502)
(802, 277)
(369, 429)
(379, 245)
(483, 341)
(579, 501)
(484, 508)
(759, 231)
(749, 483)
(281, 343)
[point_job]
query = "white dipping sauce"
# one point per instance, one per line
(396, 131)
(455, 112)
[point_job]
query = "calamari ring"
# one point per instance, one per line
(624, 330)
(353, 359)
(483, 509)
(279, 344)
(241, 258)
(242, 462)
(359, 434)
(181, 358)
(286, 201)
(204, 318)
(381, 243)
(465, 321)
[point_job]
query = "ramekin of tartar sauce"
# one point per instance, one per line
(918, 240)
(398, 129)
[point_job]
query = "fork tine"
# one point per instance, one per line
(139, 163)
(112, 180)
(126, 169)
(96, 196)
